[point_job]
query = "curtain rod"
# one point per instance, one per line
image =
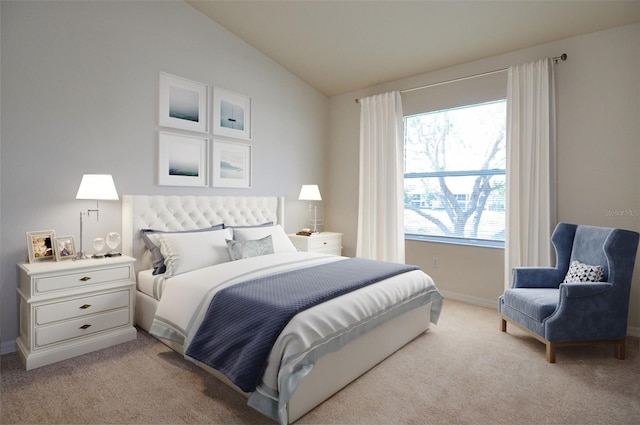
(562, 57)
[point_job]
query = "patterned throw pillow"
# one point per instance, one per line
(253, 248)
(580, 272)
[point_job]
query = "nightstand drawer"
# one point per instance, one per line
(318, 244)
(74, 280)
(336, 250)
(322, 243)
(47, 335)
(81, 307)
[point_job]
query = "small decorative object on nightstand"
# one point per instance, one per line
(98, 245)
(323, 243)
(71, 308)
(113, 240)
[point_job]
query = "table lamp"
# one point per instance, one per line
(96, 187)
(311, 192)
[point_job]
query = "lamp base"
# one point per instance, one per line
(80, 256)
(314, 229)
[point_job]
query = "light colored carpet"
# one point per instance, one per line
(463, 371)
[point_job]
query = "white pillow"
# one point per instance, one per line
(281, 242)
(184, 252)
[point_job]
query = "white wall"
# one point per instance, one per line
(598, 105)
(80, 95)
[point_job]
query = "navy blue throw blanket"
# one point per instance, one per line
(244, 320)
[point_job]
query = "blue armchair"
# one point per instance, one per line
(583, 300)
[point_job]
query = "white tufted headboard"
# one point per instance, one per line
(191, 212)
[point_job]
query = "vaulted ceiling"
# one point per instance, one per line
(342, 46)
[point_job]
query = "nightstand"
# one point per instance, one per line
(323, 242)
(69, 308)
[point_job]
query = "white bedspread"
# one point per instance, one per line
(310, 334)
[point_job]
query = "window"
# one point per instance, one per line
(454, 182)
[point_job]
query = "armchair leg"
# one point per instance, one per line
(551, 352)
(620, 350)
(551, 346)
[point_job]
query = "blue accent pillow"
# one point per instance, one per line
(253, 248)
(153, 244)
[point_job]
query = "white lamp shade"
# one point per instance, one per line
(98, 187)
(310, 192)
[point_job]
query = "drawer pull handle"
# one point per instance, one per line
(86, 306)
(84, 279)
(85, 326)
(324, 243)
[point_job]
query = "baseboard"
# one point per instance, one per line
(471, 300)
(632, 331)
(8, 347)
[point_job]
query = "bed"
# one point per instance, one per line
(319, 351)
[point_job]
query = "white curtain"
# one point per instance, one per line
(380, 204)
(531, 182)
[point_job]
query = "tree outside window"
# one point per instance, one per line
(454, 183)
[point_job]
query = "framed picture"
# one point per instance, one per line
(183, 160)
(231, 164)
(40, 245)
(64, 248)
(184, 104)
(231, 114)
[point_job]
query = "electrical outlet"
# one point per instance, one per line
(435, 262)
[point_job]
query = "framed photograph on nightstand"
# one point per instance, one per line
(65, 248)
(40, 245)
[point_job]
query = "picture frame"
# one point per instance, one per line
(40, 245)
(231, 164)
(65, 248)
(183, 160)
(183, 104)
(231, 114)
